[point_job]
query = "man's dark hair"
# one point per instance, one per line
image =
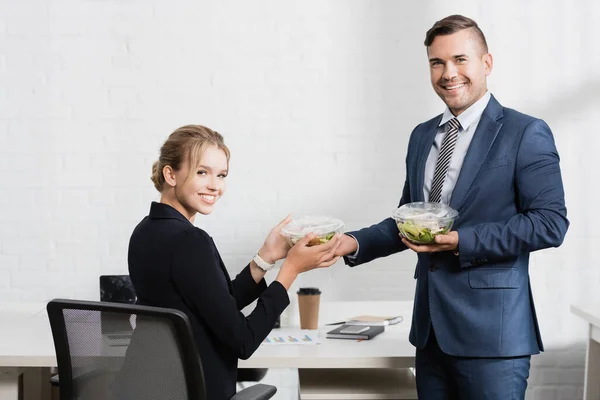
(453, 24)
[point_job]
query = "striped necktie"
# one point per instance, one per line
(443, 160)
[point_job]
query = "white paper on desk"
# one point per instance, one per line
(292, 336)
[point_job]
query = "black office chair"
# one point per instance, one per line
(114, 289)
(155, 359)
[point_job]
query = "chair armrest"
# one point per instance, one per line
(256, 392)
(54, 380)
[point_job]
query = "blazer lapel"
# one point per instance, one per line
(482, 141)
(423, 152)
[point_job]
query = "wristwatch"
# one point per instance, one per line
(262, 264)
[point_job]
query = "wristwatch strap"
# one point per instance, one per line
(262, 264)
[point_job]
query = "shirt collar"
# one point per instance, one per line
(470, 115)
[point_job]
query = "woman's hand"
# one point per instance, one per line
(302, 258)
(275, 246)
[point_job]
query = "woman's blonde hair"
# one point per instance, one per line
(186, 143)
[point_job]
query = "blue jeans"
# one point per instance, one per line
(444, 377)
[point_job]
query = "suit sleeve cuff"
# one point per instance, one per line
(278, 292)
(355, 254)
(246, 280)
(467, 257)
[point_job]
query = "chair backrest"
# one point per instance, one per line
(156, 359)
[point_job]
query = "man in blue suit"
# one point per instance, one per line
(474, 322)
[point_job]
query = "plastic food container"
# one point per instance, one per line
(421, 222)
(324, 227)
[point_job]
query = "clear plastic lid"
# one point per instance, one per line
(423, 211)
(320, 225)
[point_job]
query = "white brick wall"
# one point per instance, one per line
(316, 100)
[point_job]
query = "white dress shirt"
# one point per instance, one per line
(469, 120)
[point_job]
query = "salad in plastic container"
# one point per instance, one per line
(421, 222)
(324, 227)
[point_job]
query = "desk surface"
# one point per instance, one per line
(25, 337)
(26, 340)
(588, 311)
(390, 349)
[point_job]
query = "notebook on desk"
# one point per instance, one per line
(372, 320)
(355, 332)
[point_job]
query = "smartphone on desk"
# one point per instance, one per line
(355, 329)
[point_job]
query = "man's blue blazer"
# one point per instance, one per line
(510, 200)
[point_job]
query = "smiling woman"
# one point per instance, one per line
(174, 264)
(197, 158)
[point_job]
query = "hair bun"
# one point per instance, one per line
(155, 178)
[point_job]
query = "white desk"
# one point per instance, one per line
(26, 342)
(348, 369)
(390, 349)
(590, 312)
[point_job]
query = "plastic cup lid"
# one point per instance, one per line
(308, 291)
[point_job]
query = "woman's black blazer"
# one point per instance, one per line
(174, 264)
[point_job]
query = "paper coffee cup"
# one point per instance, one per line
(308, 304)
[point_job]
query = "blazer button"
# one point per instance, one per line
(432, 268)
